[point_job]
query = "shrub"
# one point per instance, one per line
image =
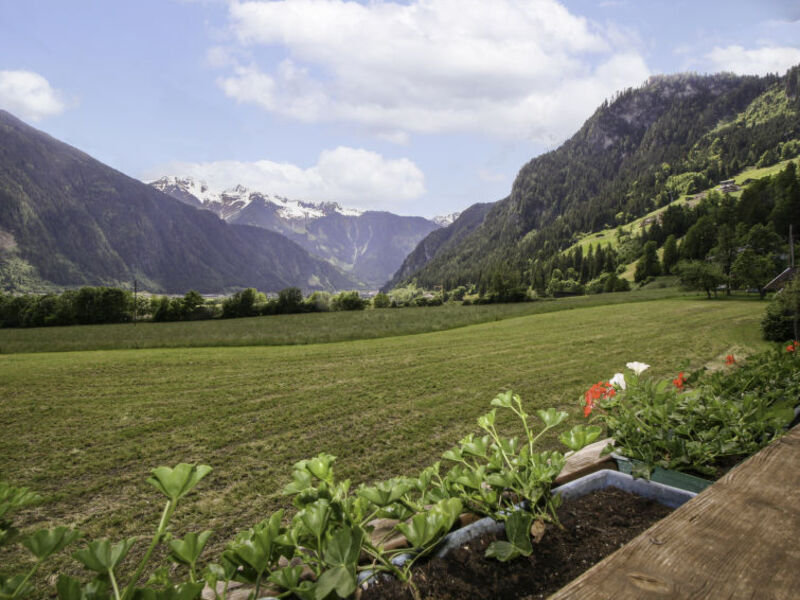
(290, 300)
(348, 301)
(241, 304)
(319, 302)
(381, 300)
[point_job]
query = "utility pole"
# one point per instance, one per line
(791, 276)
(135, 301)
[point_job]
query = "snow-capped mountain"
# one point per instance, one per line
(445, 220)
(370, 245)
(228, 203)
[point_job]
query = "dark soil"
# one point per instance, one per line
(593, 527)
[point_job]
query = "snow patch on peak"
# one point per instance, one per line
(229, 202)
(445, 220)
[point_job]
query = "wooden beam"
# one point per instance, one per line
(740, 538)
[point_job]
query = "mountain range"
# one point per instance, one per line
(367, 245)
(67, 220)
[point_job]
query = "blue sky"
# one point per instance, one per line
(418, 107)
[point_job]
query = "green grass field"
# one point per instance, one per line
(292, 329)
(84, 428)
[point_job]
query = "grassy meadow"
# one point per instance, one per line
(277, 330)
(85, 428)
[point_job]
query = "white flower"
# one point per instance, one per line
(637, 367)
(618, 380)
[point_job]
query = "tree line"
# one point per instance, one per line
(102, 305)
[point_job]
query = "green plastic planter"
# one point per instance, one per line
(682, 481)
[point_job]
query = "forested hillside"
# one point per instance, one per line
(675, 135)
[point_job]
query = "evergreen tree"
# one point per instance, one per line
(648, 264)
(670, 258)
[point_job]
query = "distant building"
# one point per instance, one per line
(781, 280)
(728, 187)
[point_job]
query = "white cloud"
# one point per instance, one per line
(509, 68)
(354, 177)
(757, 61)
(28, 95)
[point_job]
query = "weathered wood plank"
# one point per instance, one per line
(584, 461)
(738, 539)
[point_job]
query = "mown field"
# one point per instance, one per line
(84, 428)
(294, 329)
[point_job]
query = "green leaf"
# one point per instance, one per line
(487, 421)
(425, 528)
(475, 447)
(46, 542)
(288, 577)
(502, 551)
(503, 400)
(551, 417)
(100, 556)
(12, 497)
(188, 550)
(321, 467)
(344, 547)
(69, 588)
(518, 531)
(176, 483)
(580, 436)
(385, 493)
(453, 454)
(500, 480)
(341, 580)
(14, 586)
(315, 517)
(518, 527)
(341, 556)
(302, 481)
(256, 547)
(181, 591)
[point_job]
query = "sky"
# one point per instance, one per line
(418, 107)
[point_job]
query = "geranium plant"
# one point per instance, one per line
(666, 423)
(508, 478)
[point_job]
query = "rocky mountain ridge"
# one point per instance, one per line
(368, 245)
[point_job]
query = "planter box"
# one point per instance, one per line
(664, 494)
(669, 477)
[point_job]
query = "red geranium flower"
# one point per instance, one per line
(729, 360)
(790, 348)
(598, 391)
(679, 381)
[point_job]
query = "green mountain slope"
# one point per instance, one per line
(633, 155)
(440, 242)
(67, 220)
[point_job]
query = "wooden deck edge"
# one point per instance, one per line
(737, 539)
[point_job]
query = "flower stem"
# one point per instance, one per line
(162, 527)
(24, 581)
(113, 583)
